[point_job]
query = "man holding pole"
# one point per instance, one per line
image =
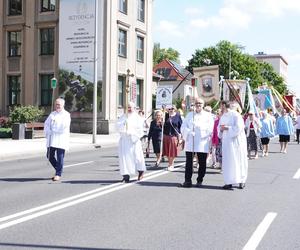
(196, 129)
(131, 156)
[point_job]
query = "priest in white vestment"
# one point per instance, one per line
(234, 147)
(131, 156)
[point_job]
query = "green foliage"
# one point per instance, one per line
(161, 54)
(5, 132)
(178, 102)
(25, 114)
(228, 55)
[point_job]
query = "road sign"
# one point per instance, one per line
(53, 83)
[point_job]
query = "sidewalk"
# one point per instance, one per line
(20, 149)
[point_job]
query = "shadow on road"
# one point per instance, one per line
(36, 246)
(22, 179)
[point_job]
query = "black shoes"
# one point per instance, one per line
(199, 184)
(141, 175)
(185, 185)
(156, 165)
(242, 185)
(125, 178)
(227, 187)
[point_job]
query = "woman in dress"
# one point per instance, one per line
(155, 134)
(252, 128)
(171, 135)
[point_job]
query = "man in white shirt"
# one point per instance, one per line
(57, 130)
(196, 130)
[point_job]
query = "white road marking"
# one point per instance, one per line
(77, 164)
(297, 175)
(260, 232)
(71, 201)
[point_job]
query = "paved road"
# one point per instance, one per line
(90, 209)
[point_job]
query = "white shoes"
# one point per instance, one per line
(171, 168)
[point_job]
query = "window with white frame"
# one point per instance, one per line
(140, 49)
(122, 46)
(123, 6)
(141, 10)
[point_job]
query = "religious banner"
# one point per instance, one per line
(77, 21)
(164, 97)
(208, 79)
(235, 90)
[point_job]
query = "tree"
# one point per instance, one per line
(229, 57)
(161, 54)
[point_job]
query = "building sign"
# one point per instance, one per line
(164, 97)
(77, 22)
(76, 37)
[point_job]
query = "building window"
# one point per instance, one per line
(121, 90)
(47, 41)
(139, 91)
(47, 5)
(46, 90)
(140, 49)
(14, 43)
(141, 10)
(14, 90)
(123, 6)
(15, 7)
(122, 48)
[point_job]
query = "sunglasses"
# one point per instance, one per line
(199, 103)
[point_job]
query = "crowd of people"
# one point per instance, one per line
(227, 137)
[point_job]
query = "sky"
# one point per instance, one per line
(269, 26)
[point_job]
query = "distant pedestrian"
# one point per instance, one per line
(252, 128)
(285, 128)
(57, 131)
(131, 156)
(267, 132)
(155, 135)
(197, 130)
(171, 136)
(297, 127)
(216, 143)
(234, 147)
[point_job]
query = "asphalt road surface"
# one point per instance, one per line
(90, 209)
